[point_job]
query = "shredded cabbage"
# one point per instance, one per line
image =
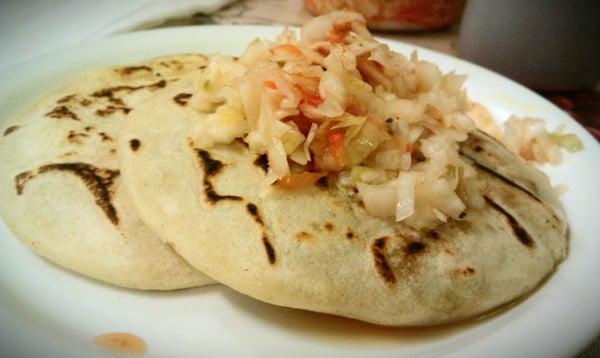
(341, 104)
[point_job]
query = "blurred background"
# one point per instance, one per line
(551, 46)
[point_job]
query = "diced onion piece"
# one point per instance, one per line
(353, 124)
(379, 200)
(298, 156)
(250, 96)
(440, 215)
(315, 30)
(452, 83)
(472, 191)
(464, 122)
(428, 75)
(445, 198)
(302, 155)
(330, 108)
(361, 174)
(405, 161)
(436, 148)
(277, 156)
(332, 89)
(405, 195)
(290, 137)
(257, 50)
(231, 124)
(223, 126)
(309, 138)
(414, 133)
(409, 111)
(390, 159)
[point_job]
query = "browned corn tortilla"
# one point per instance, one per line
(61, 187)
(317, 248)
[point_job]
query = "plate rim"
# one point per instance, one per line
(20, 68)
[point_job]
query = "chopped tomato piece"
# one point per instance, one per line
(393, 144)
(323, 51)
(339, 32)
(333, 37)
(299, 181)
(301, 121)
(313, 99)
(409, 148)
(335, 140)
(311, 165)
(288, 49)
(342, 29)
(378, 65)
(270, 84)
(354, 109)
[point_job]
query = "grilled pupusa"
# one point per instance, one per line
(61, 188)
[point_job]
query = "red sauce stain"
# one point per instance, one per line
(121, 342)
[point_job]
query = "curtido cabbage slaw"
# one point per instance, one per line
(337, 102)
(526, 136)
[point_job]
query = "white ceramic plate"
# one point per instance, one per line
(47, 311)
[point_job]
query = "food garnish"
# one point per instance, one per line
(338, 102)
(526, 136)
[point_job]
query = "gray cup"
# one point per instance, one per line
(544, 44)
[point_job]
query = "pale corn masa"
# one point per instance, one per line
(60, 185)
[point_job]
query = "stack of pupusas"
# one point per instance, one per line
(326, 173)
(61, 189)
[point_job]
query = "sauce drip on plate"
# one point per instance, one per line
(121, 342)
